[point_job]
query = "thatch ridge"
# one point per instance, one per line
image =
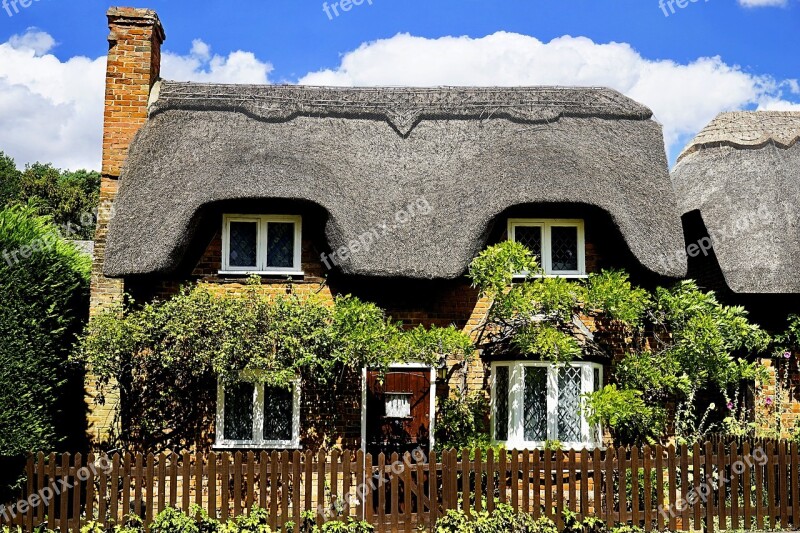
(402, 107)
(748, 130)
(343, 153)
(747, 191)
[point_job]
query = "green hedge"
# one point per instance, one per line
(44, 283)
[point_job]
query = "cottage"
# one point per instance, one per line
(214, 183)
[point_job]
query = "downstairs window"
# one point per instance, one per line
(533, 402)
(254, 415)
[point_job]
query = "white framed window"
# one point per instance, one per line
(535, 401)
(251, 414)
(261, 244)
(559, 244)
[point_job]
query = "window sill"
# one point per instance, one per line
(267, 273)
(516, 445)
(565, 276)
(266, 445)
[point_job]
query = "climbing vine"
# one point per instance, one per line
(166, 356)
(681, 342)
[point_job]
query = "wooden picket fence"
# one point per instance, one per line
(738, 485)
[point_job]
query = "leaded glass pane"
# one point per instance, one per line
(531, 237)
(564, 248)
(535, 424)
(596, 385)
(280, 244)
(278, 405)
(243, 238)
(239, 411)
(569, 404)
(501, 403)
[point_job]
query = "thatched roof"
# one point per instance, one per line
(742, 173)
(364, 154)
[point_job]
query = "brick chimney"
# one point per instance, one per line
(134, 65)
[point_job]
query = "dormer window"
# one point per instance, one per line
(559, 244)
(261, 244)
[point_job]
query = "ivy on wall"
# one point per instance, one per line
(165, 357)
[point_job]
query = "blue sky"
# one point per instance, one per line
(707, 57)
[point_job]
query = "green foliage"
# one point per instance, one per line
(9, 180)
(43, 294)
(789, 340)
(256, 521)
(626, 528)
(351, 526)
(502, 519)
(69, 198)
(553, 445)
(171, 520)
(589, 524)
(547, 342)
(165, 352)
(461, 422)
(684, 340)
(626, 412)
(492, 272)
(612, 292)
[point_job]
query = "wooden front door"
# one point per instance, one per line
(399, 411)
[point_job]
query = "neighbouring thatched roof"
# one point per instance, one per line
(363, 154)
(742, 173)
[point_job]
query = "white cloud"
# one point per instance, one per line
(762, 3)
(33, 39)
(203, 66)
(683, 97)
(52, 110)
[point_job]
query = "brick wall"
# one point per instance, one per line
(331, 415)
(133, 66)
(777, 401)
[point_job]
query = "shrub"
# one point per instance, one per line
(44, 283)
(503, 518)
(171, 520)
(461, 422)
(180, 346)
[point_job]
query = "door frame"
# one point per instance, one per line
(398, 366)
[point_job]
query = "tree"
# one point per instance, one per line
(69, 198)
(9, 180)
(683, 340)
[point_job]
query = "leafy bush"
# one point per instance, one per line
(180, 346)
(461, 422)
(44, 284)
(626, 412)
(503, 518)
(172, 520)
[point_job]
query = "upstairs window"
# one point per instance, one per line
(254, 415)
(266, 244)
(533, 402)
(559, 245)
